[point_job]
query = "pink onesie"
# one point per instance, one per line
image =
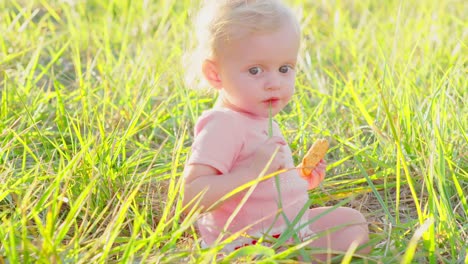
(225, 139)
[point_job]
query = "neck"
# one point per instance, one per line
(223, 103)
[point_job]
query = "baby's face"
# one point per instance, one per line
(258, 70)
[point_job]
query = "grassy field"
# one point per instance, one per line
(96, 124)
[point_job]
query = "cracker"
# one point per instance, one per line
(314, 155)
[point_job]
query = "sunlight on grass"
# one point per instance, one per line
(96, 124)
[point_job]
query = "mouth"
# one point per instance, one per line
(272, 100)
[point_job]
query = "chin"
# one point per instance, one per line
(267, 114)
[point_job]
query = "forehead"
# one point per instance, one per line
(282, 43)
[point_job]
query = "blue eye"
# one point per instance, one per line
(284, 68)
(255, 70)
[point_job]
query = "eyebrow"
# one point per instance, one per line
(263, 62)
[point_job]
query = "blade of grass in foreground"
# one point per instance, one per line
(290, 231)
(113, 230)
(402, 161)
(411, 248)
(374, 189)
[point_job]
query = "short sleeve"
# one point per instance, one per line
(218, 141)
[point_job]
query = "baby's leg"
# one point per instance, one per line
(338, 230)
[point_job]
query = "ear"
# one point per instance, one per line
(211, 72)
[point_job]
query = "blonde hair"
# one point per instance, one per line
(219, 21)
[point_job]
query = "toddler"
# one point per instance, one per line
(248, 51)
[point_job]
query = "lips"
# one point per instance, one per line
(272, 100)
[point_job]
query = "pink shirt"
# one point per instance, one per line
(225, 139)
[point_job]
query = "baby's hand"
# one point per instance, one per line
(317, 175)
(264, 154)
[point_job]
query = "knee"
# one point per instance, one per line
(359, 228)
(358, 224)
(354, 216)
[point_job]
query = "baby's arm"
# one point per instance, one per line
(198, 177)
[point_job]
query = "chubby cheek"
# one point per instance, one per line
(289, 92)
(291, 89)
(250, 88)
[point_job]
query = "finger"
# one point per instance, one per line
(321, 165)
(321, 175)
(319, 170)
(323, 162)
(315, 174)
(318, 174)
(313, 182)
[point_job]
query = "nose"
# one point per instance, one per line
(273, 82)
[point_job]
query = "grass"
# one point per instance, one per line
(96, 124)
